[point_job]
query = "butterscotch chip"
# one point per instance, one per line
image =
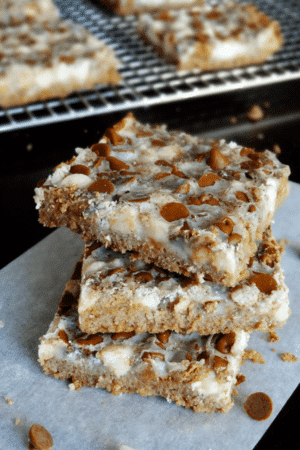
(225, 342)
(101, 149)
(164, 337)
(265, 282)
(40, 437)
(79, 168)
(259, 406)
(103, 186)
(226, 225)
(208, 179)
(174, 211)
(89, 340)
(114, 137)
(123, 335)
(242, 196)
(117, 164)
(217, 160)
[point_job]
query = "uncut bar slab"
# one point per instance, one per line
(125, 7)
(51, 59)
(212, 37)
(194, 371)
(187, 204)
(118, 294)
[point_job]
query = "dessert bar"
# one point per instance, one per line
(121, 295)
(212, 37)
(42, 60)
(194, 371)
(126, 7)
(186, 204)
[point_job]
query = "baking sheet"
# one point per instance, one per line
(31, 287)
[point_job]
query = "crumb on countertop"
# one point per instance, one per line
(288, 357)
(255, 357)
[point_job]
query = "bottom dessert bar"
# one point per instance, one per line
(198, 372)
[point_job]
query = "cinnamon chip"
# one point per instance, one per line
(217, 160)
(152, 355)
(40, 438)
(143, 277)
(79, 168)
(114, 137)
(226, 225)
(162, 162)
(208, 179)
(248, 165)
(240, 195)
(164, 336)
(259, 406)
(174, 211)
(123, 335)
(161, 176)
(225, 342)
(235, 238)
(63, 336)
(116, 164)
(90, 339)
(103, 186)
(158, 143)
(252, 208)
(265, 282)
(101, 149)
(139, 200)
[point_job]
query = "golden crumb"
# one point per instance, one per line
(17, 421)
(288, 357)
(273, 336)
(282, 244)
(9, 400)
(103, 403)
(240, 379)
(276, 149)
(234, 391)
(273, 350)
(255, 113)
(255, 357)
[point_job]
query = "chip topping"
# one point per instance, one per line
(259, 406)
(265, 282)
(103, 186)
(40, 438)
(174, 211)
(208, 179)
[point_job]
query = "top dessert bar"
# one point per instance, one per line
(13, 13)
(212, 37)
(125, 7)
(187, 204)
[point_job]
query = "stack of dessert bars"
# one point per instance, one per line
(179, 265)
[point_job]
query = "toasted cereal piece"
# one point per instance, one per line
(126, 7)
(51, 59)
(120, 295)
(187, 204)
(13, 13)
(194, 371)
(212, 37)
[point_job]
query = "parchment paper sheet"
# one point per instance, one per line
(88, 419)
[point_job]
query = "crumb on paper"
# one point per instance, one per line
(254, 356)
(17, 421)
(103, 403)
(9, 400)
(1, 324)
(288, 357)
(72, 387)
(276, 149)
(273, 350)
(273, 336)
(282, 244)
(125, 447)
(255, 113)
(240, 379)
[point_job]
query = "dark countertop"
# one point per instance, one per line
(30, 155)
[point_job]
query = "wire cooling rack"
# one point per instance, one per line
(147, 78)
